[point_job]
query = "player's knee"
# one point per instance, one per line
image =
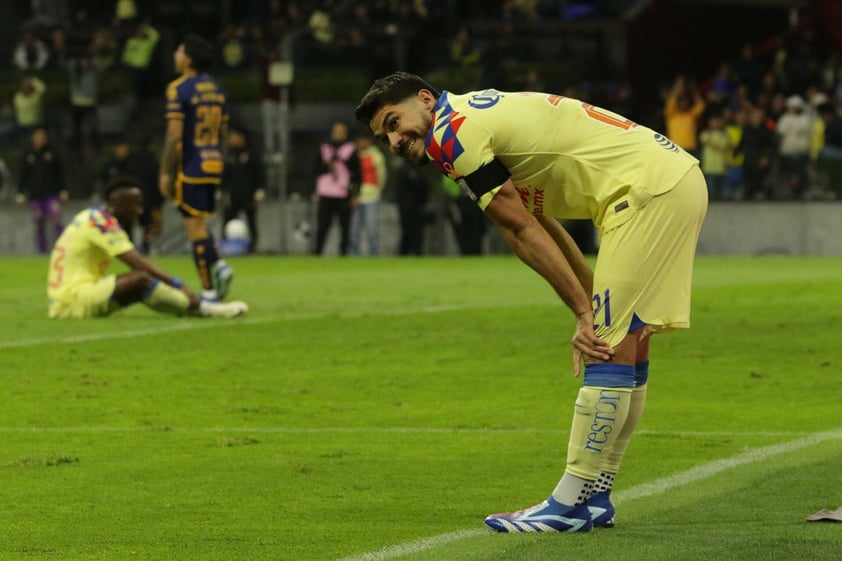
(140, 280)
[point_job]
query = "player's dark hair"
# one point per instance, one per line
(200, 52)
(120, 182)
(390, 90)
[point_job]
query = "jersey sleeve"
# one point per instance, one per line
(103, 231)
(174, 107)
(462, 149)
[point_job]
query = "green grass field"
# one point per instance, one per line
(380, 409)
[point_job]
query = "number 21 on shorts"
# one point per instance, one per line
(602, 309)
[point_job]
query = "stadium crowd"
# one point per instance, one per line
(766, 124)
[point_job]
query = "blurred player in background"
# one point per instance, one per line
(78, 286)
(197, 114)
(41, 186)
(243, 182)
(528, 158)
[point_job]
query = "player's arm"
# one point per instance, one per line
(571, 251)
(535, 247)
(138, 262)
(170, 154)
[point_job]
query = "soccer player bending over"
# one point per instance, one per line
(78, 287)
(528, 158)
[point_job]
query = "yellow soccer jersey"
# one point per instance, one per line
(84, 251)
(567, 158)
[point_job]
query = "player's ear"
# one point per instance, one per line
(427, 99)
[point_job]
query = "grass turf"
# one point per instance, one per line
(367, 404)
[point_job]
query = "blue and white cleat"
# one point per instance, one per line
(223, 275)
(601, 509)
(549, 516)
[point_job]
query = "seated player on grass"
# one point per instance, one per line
(78, 286)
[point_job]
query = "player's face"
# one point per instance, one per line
(126, 205)
(403, 126)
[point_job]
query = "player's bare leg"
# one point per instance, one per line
(139, 286)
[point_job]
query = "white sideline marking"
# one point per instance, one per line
(182, 325)
(707, 470)
(640, 491)
(416, 546)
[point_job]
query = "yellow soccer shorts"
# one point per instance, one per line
(645, 266)
(86, 300)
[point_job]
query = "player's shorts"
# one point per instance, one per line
(86, 300)
(645, 266)
(195, 197)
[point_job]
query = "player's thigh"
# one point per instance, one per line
(645, 266)
(87, 300)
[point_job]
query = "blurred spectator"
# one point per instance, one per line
(232, 48)
(748, 70)
(413, 192)
(337, 177)
(83, 102)
(29, 105)
(520, 10)
(79, 33)
(125, 15)
(104, 49)
(795, 129)
(365, 213)
(243, 183)
(724, 82)
(31, 54)
(8, 122)
(5, 179)
(463, 50)
(266, 53)
(41, 184)
(734, 124)
(757, 147)
(58, 48)
(321, 27)
(830, 155)
(714, 141)
(137, 57)
(683, 108)
(47, 13)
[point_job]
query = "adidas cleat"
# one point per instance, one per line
(549, 516)
(601, 509)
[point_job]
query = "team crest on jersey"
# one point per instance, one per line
(485, 99)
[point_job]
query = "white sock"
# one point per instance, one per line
(572, 490)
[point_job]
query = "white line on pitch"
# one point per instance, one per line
(644, 490)
(182, 325)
